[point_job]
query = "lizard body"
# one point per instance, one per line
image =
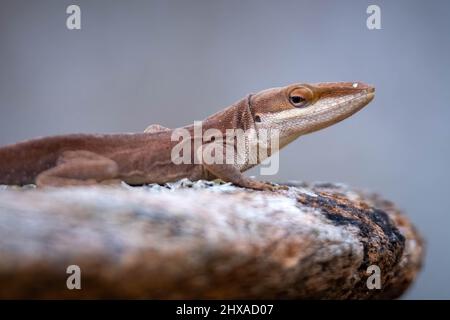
(140, 158)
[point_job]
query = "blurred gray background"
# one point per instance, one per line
(135, 63)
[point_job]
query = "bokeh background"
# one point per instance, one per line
(135, 63)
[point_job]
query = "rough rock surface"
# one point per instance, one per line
(204, 240)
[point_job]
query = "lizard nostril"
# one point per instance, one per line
(257, 118)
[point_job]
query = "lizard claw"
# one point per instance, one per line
(277, 187)
(269, 186)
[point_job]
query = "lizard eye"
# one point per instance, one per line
(300, 97)
(297, 101)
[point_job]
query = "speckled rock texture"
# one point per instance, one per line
(204, 240)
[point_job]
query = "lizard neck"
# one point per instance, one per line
(236, 116)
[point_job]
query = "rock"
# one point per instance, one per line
(204, 240)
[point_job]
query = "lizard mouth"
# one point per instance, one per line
(362, 99)
(364, 96)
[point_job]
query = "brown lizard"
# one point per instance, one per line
(141, 158)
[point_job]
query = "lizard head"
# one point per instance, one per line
(299, 109)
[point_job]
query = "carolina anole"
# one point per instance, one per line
(140, 158)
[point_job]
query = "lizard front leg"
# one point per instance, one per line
(230, 170)
(79, 168)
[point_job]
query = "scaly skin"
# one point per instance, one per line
(141, 158)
